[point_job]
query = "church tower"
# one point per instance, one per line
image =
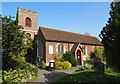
(28, 20)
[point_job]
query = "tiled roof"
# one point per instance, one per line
(63, 36)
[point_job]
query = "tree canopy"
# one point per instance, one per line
(12, 40)
(110, 36)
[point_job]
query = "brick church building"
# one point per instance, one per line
(51, 41)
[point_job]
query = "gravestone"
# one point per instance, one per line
(98, 65)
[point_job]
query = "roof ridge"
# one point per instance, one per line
(67, 32)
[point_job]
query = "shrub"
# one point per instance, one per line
(38, 64)
(90, 61)
(67, 65)
(16, 64)
(97, 52)
(58, 56)
(22, 65)
(59, 65)
(63, 65)
(43, 65)
(1, 77)
(68, 56)
(34, 71)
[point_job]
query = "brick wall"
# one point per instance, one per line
(55, 47)
(22, 15)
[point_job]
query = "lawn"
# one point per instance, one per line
(89, 76)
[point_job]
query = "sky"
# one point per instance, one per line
(77, 17)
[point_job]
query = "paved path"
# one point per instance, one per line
(53, 76)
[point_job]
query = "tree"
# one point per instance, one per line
(12, 40)
(97, 52)
(31, 50)
(110, 36)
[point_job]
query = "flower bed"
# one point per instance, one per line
(19, 75)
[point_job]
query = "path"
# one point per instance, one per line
(53, 76)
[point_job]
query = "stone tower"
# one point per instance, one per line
(28, 20)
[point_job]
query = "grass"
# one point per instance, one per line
(89, 76)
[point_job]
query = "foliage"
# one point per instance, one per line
(90, 61)
(18, 75)
(31, 51)
(1, 77)
(62, 65)
(97, 52)
(38, 64)
(59, 65)
(16, 64)
(110, 36)
(66, 65)
(12, 40)
(83, 68)
(58, 56)
(68, 56)
(43, 65)
(89, 75)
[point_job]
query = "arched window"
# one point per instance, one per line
(28, 22)
(84, 50)
(61, 48)
(28, 35)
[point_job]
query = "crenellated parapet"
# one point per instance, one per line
(25, 11)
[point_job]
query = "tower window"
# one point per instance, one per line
(28, 22)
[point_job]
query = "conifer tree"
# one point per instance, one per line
(110, 36)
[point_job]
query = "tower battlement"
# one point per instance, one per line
(27, 11)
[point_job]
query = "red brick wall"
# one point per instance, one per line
(22, 15)
(55, 44)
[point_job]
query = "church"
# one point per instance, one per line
(51, 41)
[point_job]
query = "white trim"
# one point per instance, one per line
(27, 14)
(28, 30)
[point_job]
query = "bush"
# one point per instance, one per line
(15, 63)
(1, 77)
(59, 65)
(34, 71)
(43, 65)
(38, 64)
(63, 65)
(22, 65)
(58, 56)
(67, 65)
(68, 56)
(90, 61)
